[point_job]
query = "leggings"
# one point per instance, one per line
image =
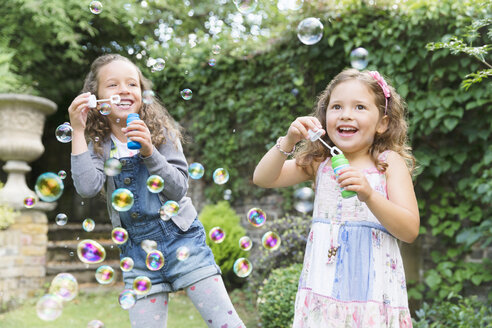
(209, 297)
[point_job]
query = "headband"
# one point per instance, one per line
(382, 83)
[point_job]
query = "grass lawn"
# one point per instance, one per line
(102, 304)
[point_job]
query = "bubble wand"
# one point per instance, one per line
(313, 136)
(92, 103)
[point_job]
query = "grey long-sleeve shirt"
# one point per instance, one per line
(167, 161)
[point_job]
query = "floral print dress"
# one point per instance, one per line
(353, 272)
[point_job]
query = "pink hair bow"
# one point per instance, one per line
(382, 83)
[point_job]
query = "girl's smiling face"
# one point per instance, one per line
(352, 118)
(120, 78)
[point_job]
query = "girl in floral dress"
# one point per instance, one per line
(353, 272)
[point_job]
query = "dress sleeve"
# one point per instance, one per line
(88, 173)
(169, 162)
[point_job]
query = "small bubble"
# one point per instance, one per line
(148, 97)
(217, 235)
(63, 133)
(310, 31)
(212, 62)
(358, 58)
(216, 49)
(220, 176)
(242, 267)
(61, 219)
(196, 170)
(29, 202)
(95, 7)
(105, 109)
(88, 225)
(186, 94)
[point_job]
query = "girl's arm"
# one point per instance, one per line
(399, 214)
(273, 170)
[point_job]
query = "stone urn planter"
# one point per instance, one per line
(22, 119)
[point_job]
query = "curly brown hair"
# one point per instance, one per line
(394, 138)
(155, 115)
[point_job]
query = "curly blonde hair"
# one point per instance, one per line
(155, 115)
(394, 138)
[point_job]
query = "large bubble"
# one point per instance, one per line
(112, 167)
(49, 307)
(155, 260)
(217, 235)
(127, 299)
(220, 176)
(196, 170)
(155, 184)
(90, 251)
(310, 31)
(49, 187)
(119, 235)
(126, 264)
(257, 217)
(64, 132)
(142, 285)
(246, 6)
(122, 199)
(242, 267)
(358, 58)
(270, 240)
(104, 274)
(65, 286)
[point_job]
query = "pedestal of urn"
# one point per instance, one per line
(22, 120)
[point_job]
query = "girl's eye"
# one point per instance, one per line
(337, 107)
(360, 107)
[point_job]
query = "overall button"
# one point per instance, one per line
(134, 215)
(127, 181)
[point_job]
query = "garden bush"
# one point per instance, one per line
(225, 253)
(454, 312)
(277, 296)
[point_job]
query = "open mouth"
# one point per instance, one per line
(125, 104)
(346, 130)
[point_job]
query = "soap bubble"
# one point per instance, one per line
(155, 184)
(196, 170)
(29, 202)
(310, 31)
(63, 133)
(95, 324)
(148, 245)
(227, 194)
(105, 274)
(49, 187)
(358, 58)
(169, 209)
(49, 307)
(257, 217)
(182, 253)
(96, 7)
(88, 225)
(105, 109)
(90, 251)
(155, 260)
(304, 199)
(126, 264)
(61, 219)
(283, 5)
(245, 243)
(122, 199)
(270, 240)
(216, 49)
(246, 6)
(62, 174)
(142, 285)
(186, 94)
(159, 65)
(220, 176)
(65, 286)
(212, 62)
(127, 299)
(148, 97)
(112, 167)
(242, 267)
(119, 235)
(217, 235)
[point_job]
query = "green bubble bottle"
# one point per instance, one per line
(338, 163)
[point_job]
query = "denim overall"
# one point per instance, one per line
(143, 222)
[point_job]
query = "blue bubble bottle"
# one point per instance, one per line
(132, 144)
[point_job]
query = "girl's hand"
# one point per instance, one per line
(298, 130)
(354, 180)
(138, 131)
(77, 111)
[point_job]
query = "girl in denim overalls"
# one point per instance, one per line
(161, 154)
